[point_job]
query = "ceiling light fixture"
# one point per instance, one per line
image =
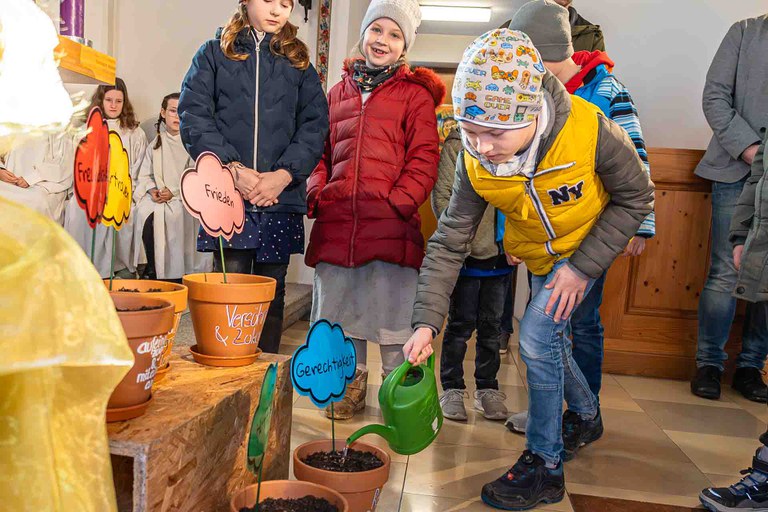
(455, 14)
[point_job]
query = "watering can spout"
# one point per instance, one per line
(380, 430)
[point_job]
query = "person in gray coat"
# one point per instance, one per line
(736, 108)
(749, 236)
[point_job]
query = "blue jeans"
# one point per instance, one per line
(717, 306)
(587, 332)
(552, 373)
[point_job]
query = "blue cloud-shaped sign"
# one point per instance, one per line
(323, 366)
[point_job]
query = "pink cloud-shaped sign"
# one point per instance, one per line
(209, 194)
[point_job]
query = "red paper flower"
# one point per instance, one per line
(92, 168)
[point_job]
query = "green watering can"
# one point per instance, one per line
(411, 409)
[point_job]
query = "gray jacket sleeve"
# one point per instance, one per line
(446, 251)
(446, 171)
(732, 131)
(745, 208)
(625, 179)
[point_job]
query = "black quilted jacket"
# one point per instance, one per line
(217, 113)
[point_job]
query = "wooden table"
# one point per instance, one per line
(187, 453)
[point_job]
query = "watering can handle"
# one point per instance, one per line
(401, 371)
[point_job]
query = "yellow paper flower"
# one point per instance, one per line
(120, 191)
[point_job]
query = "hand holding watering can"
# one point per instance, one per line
(411, 409)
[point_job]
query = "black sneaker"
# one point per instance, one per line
(706, 384)
(527, 484)
(749, 382)
(748, 495)
(578, 433)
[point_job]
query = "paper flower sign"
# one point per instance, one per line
(257, 440)
(92, 167)
(209, 194)
(323, 366)
(120, 190)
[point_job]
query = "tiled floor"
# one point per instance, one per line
(661, 444)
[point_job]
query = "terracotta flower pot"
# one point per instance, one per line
(228, 318)
(147, 336)
(362, 490)
(175, 293)
(290, 489)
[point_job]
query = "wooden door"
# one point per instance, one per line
(650, 303)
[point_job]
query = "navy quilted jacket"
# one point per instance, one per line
(217, 113)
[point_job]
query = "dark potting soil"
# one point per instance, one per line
(305, 504)
(136, 290)
(355, 461)
(142, 308)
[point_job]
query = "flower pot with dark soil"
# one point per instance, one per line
(289, 496)
(146, 322)
(173, 292)
(359, 476)
(228, 317)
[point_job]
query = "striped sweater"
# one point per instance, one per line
(597, 84)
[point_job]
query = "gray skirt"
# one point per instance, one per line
(373, 302)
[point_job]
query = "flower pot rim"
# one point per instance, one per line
(292, 483)
(199, 279)
(174, 287)
(150, 301)
(177, 293)
(386, 459)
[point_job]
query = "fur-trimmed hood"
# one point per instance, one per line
(425, 77)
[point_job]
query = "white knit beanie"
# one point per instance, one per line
(406, 13)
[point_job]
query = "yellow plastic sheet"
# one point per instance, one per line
(62, 352)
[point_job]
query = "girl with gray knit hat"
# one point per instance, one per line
(379, 166)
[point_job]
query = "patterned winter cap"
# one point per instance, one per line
(498, 82)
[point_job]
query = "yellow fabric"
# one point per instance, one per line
(569, 193)
(63, 352)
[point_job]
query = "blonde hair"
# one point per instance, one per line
(284, 44)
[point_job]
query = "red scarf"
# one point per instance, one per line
(588, 61)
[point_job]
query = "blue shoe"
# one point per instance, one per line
(748, 495)
(526, 485)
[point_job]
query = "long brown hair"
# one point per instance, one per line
(161, 119)
(283, 44)
(127, 117)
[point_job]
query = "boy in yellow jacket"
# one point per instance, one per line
(573, 191)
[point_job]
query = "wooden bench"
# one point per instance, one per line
(187, 453)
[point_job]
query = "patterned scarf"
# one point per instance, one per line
(368, 79)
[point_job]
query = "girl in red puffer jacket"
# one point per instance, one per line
(379, 166)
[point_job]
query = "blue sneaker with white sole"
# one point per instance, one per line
(750, 494)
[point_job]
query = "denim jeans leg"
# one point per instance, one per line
(462, 318)
(587, 331)
(717, 306)
(543, 348)
(489, 332)
(754, 341)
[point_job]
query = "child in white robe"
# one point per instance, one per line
(168, 232)
(38, 174)
(118, 110)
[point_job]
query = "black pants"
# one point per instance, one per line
(148, 238)
(241, 261)
(476, 303)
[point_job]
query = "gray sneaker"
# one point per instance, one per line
(452, 403)
(516, 422)
(490, 402)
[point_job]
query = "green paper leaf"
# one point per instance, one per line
(257, 440)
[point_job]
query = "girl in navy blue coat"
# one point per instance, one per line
(252, 98)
